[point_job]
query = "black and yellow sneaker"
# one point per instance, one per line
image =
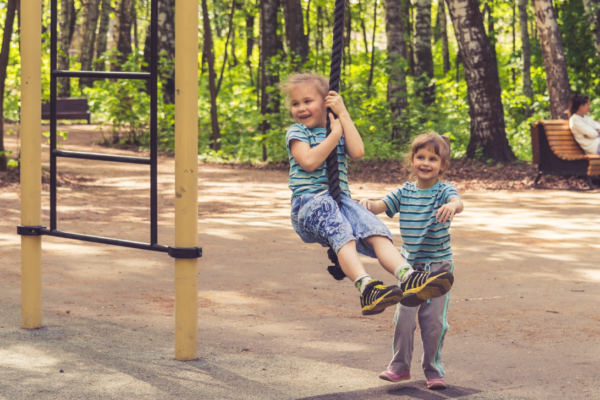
(377, 297)
(421, 286)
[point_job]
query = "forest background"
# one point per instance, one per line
(475, 70)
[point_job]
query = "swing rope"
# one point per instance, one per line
(333, 174)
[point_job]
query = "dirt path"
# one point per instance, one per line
(524, 311)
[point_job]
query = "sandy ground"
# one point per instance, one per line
(524, 309)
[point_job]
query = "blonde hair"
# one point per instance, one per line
(440, 145)
(303, 78)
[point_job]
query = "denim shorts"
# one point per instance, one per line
(317, 219)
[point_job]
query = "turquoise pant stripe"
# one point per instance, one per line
(445, 328)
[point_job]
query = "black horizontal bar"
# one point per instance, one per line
(101, 157)
(104, 240)
(101, 74)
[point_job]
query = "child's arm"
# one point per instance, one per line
(311, 158)
(449, 210)
(354, 143)
(376, 207)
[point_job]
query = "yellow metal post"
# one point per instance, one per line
(31, 163)
(186, 177)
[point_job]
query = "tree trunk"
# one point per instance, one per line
(296, 40)
(514, 38)
(64, 42)
(443, 28)
(229, 37)
(250, 44)
(88, 38)
(363, 27)
(370, 81)
(487, 9)
(347, 34)
(208, 50)
(422, 51)
(11, 6)
(525, 52)
(406, 6)
(592, 10)
(102, 37)
(166, 46)
(123, 32)
(483, 83)
(554, 58)
(268, 46)
(397, 79)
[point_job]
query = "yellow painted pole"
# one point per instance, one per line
(31, 163)
(186, 177)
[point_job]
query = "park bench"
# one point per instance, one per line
(556, 152)
(68, 108)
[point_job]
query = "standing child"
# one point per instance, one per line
(426, 207)
(317, 218)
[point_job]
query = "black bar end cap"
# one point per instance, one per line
(30, 230)
(185, 252)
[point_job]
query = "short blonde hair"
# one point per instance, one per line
(440, 145)
(303, 78)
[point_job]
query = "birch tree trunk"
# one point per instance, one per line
(11, 7)
(102, 37)
(268, 47)
(64, 42)
(397, 78)
(296, 40)
(123, 31)
(88, 38)
(208, 50)
(483, 83)
(443, 31)
(553, 52)
(525, 51)
(592, 10)
(422, 51)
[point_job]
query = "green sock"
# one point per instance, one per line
(403, 272)
(361, 282)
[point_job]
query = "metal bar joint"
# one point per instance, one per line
(185, 252)
(30, 230)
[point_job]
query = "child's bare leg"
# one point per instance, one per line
(349, 261)
(389, 257)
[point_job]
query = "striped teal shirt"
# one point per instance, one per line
(424, 239)
(301, 181)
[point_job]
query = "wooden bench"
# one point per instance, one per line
(68, 108)
(556, 152)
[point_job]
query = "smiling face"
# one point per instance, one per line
(427, 166)
(308, 106)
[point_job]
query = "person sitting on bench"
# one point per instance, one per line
(585, 130)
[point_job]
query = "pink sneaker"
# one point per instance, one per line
(436, 384)
(388, 375)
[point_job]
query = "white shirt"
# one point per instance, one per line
(584, 129)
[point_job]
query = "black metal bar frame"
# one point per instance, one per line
(101, 74)
(152, 76)
(101, 157)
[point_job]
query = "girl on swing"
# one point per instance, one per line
(316, 216)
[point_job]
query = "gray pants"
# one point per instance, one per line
(433, 323)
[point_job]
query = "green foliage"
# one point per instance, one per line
(124, 104)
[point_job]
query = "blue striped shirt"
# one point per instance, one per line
(302, 181)
(424, 239)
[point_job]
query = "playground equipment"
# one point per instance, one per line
(186, 250)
